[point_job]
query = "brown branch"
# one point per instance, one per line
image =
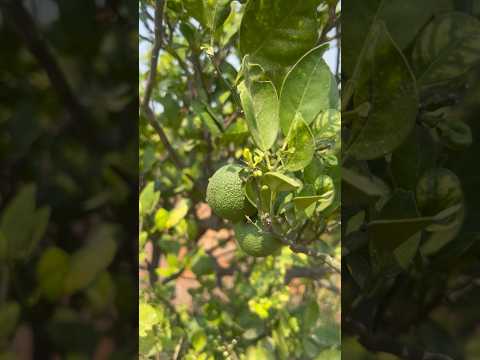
(157, 44)
(304, 272)
(144, 105)
(24, 25)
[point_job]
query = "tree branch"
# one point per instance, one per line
(144, 105)
(157, 44)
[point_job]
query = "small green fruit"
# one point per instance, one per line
(226, 196)
(254, 242)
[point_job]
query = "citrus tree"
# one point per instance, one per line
(410, 184)
(239, 180)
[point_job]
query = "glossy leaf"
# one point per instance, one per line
(178, 213)
(403, 18)
(447, 48)
(260, 105)
(370, 187)
(300, 145)
(42, 217)
(161, 219)
(51, 272)
(412, 158)
(17, 221)
(9, 316)
(407, 251)
(385, 80)
(210, 13)
(277, 33)
(397, 222)
(148, 198)
(308, 89)
(281, 182)
(327, 125)
(87, 262)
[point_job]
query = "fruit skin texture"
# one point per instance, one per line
(225, 194)
(255, 243)
(437, 190)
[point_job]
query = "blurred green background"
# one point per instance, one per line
(68, 179)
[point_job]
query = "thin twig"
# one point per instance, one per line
(159, 8)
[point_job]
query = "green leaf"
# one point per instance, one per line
(327, 125)
(9, 316)
(314, 170)
(437, 240)
(92, 259)
(17, 221)
(199, 340)
(277, 33)
(303, 202)
(281, 182)
(51, 271)
(177, 213)
(300, 145)
(41, 219)
(406, 252)
(208, 117)
(236, 132)
(330, 354)
(447, 48)
(251, 193)
(359, 268)
(210, 13)
(308, 195)
(308, 89)
(362, 188)
(311, 316)
(384, 79)
(403, 18)
(148, 198)
(102, 292)
(161, 218)
(148, 158)
(149, 317)
(397, 222)
(412, 158)
(260, 105)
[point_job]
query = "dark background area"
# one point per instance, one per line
(68, 126)
(410, 129)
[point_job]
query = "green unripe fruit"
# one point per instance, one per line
(254, 242)
(225, 194)
(437, 190)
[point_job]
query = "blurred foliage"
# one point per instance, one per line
(410, 253)
(68, 184)
(206, 106)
